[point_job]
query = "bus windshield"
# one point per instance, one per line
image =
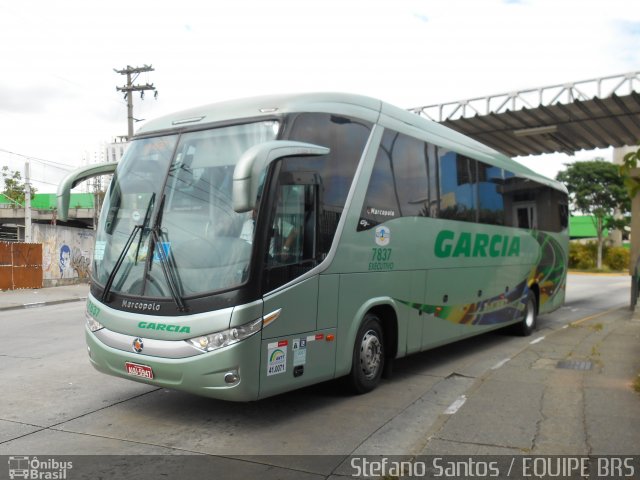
(173, 194)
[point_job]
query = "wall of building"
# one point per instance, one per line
(66, 253)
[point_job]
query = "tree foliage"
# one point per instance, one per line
(14, 187)
(596, 188)
(629, 163)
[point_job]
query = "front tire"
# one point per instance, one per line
(528, 323)
(368, 356)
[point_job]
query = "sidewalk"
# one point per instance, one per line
(40, 297)
(571, 392)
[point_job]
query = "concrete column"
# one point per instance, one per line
(27, 203)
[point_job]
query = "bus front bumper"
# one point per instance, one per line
(206, 374)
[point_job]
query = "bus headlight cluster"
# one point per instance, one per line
(92, 323)
(227, 337)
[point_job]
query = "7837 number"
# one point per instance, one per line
(380, 254)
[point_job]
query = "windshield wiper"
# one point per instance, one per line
(168, 270)
(123, 253)
(116, 267)
(145, 222)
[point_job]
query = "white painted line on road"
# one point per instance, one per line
(537, 340)
(500, 363)
(455, 406)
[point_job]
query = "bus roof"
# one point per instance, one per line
(357, 106)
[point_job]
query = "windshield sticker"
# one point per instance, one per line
(383, 236)
(276, 358)
(299, 347)
(166, 247)
(98, 251)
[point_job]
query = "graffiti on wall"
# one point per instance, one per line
(66, 251)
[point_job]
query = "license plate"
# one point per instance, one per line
(138, 370)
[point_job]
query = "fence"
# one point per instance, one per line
(20, 265)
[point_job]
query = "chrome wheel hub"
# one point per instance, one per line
(370, 354)
(531, 309)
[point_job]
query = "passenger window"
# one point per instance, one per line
(381, 201)
(433, 173)
(399, 185)
(458, 187)
(410, 175)
(490, 184)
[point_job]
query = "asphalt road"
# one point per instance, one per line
(54, 403)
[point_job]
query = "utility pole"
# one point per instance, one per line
(97, 200)
(129, 87)
(27, 203)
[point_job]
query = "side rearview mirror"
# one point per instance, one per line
(249, 171)
(74, 178)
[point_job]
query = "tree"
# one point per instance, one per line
(14, 187)
(596, 189)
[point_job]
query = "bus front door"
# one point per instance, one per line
(293, 354)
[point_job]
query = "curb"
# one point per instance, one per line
(42, 304)
(598, 274)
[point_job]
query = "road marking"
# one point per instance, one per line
(455, 406)
(537, 340)
(500, 363)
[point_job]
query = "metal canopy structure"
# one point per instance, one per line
(589, 114)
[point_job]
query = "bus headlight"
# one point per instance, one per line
(92, 323)
(227, 337)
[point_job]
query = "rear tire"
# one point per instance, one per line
(368, 356)
(528, 323)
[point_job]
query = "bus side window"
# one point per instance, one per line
(293, 234)
(284, 246)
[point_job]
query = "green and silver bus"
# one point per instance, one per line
(252, 247)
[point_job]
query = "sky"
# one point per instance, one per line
(58, 94)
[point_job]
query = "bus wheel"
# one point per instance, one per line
(368, 356)
(528, 323)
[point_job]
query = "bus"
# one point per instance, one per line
(256, 246)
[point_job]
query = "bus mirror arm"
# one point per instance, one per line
(249, 172)
(74, 178)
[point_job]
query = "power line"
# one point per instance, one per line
(42, 181)
(41, 160)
